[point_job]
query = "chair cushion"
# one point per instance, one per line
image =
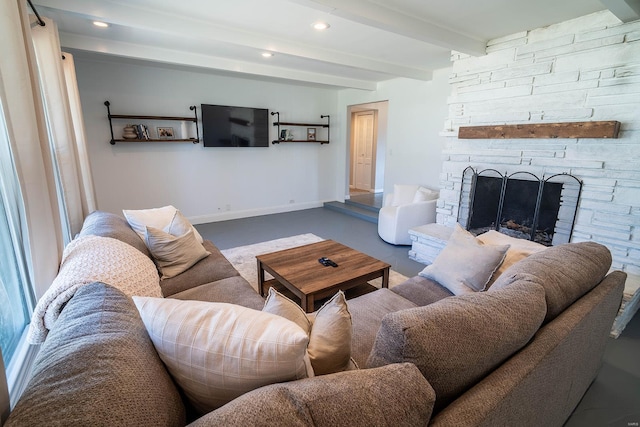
(457, 341)
(403, 194)
(566, 272)
(423, 194)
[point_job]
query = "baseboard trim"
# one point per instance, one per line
(228, 215)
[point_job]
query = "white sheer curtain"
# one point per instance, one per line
(88, 198)
(71, 163)
(35, 231)
(28, 139)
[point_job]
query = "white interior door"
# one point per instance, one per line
(364, 141)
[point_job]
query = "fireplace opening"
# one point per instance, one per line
(520, 205)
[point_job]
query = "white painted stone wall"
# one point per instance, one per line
(586, 69)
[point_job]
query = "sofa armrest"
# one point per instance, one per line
(395, 395)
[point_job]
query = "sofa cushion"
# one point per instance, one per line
(329, 330)
(232, 290)
(216, 351)
(367, 312)
(566, 272)
(465, 264)
(209, 269)
(393, 395)
(106, 224)
(457, 341)
(99, 367)
(421, 291)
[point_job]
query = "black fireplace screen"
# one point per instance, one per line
(520, 204)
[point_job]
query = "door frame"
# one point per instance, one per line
(381, 108)
(374, 144)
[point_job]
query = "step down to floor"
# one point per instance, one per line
(352, 210)
(354, 202)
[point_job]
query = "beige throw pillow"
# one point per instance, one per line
(173, 254)
(159, 218)
(465, 264)
(216, 351)
(329, 330)
(518, 249)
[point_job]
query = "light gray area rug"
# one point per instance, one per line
(243, 258)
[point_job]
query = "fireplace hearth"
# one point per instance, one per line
(520, 204)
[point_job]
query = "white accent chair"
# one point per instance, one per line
(407, 207)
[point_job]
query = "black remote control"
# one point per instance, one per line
(327, 262)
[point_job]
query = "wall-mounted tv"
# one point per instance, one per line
(226, 126)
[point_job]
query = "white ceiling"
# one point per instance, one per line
(368, 41)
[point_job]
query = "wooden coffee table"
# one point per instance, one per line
(298, 270)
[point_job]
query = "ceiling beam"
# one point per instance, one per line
(188, 59)
(378, 16)
(152, 21)
(624, 10)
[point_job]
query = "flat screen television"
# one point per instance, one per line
(226, 126)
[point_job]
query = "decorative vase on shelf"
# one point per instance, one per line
(129, 132)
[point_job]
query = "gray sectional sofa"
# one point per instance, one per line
(522, 353)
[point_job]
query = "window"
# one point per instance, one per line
(16, 298)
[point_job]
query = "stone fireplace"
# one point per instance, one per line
(587, 69)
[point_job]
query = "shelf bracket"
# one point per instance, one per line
(195, 113)
(276, 123)
(113, 140)
(328, 127)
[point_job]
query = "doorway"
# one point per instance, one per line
(363, 137)
(367, 136)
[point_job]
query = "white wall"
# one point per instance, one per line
(415, 113)
(206, 184)
(585, 69)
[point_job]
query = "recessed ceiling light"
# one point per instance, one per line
(100, 24)
(267, 54)
(320, 25)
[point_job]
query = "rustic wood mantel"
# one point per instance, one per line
(603, 129)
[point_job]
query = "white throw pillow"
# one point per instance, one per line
(423, 194)
(329, 330)
(217, 351)
(518, 249)
(173, 254)
(159, 218)
(465, 264)
(403, 194)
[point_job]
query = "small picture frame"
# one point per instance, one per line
(311, 134)
(165, 133)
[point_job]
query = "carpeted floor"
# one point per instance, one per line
(243, 258)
